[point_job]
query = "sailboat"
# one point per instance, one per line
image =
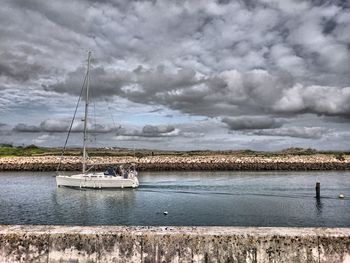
(120, 177)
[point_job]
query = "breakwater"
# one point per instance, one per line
(173, 244)
(163, 163)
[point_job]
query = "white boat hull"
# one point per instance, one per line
(97, 181)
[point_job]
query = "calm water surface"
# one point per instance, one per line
(191, 198)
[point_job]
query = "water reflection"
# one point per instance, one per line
(92, 206)
(319, 206)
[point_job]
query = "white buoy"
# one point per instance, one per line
(341, 196)
(165, 212)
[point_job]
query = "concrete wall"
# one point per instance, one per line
(173, 244)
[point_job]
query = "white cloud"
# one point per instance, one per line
(316, 99)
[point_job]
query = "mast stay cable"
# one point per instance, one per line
(71, 124)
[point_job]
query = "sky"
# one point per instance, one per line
(177, 75)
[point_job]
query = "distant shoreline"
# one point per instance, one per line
(182, 163)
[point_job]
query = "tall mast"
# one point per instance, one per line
(86, 111)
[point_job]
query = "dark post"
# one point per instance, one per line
(318, 188)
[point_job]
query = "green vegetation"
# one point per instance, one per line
(300, 151)
(32, 150)
(339, 156)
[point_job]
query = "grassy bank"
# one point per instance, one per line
(32, 150)
(8, 151)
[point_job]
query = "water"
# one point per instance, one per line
(191, 198)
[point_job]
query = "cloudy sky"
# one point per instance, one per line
(173, 74)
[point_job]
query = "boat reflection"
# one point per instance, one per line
(93, 207)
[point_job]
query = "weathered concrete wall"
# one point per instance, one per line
(173, 244)
(163, 163)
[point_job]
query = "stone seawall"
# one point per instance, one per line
(163, 163)
(173, 244)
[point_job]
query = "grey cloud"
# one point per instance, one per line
(71, 18)
(183, 90)
(103, 83)
(298, 132)
(155, 110)
(341, 3)
(22, 127)
(17, 67)
(244, 41)
(229, 92)
(151, 131)
(329, 26)
(54, 126)
(251, 122)
(134, 85)
(337, 119)
(62, 126)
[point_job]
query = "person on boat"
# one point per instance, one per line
(110, 171)
(119, 171)
(126, 173)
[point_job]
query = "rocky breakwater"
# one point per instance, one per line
(234, 162)
(163, 163)
(50, 163)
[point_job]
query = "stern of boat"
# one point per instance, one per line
(60, 180)
(136, 182)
